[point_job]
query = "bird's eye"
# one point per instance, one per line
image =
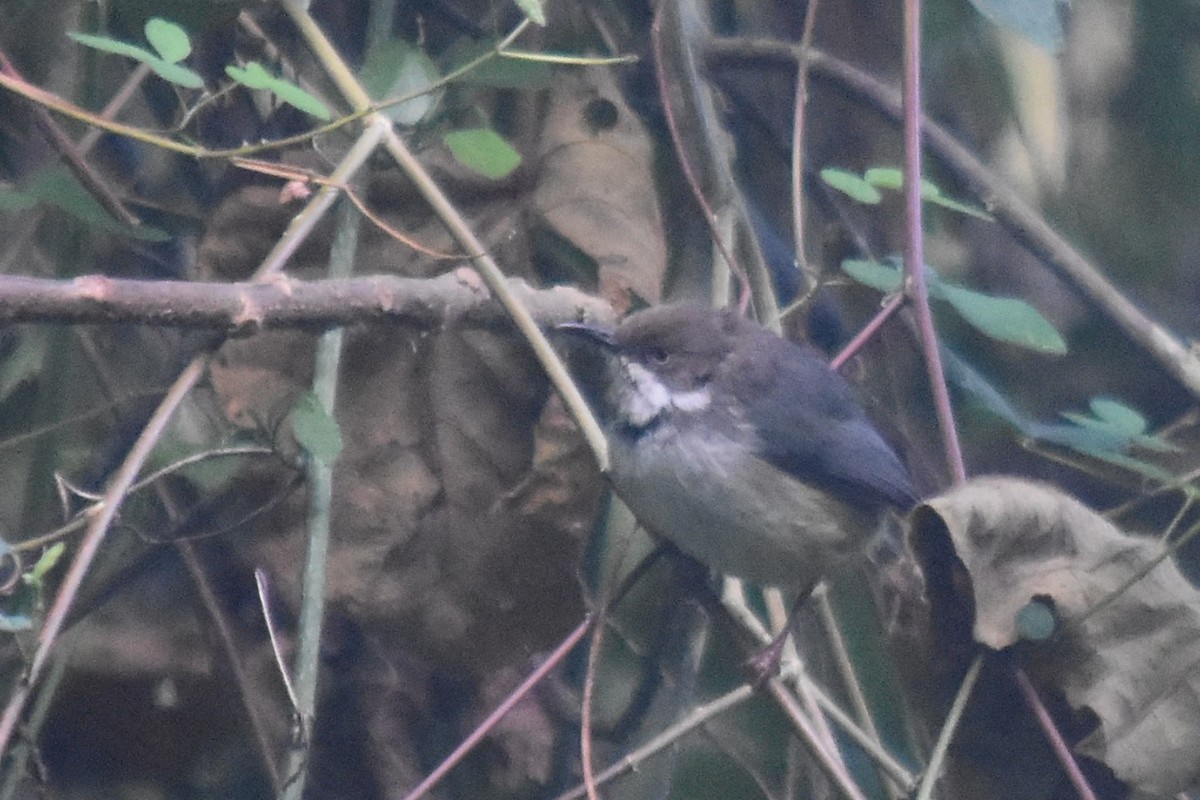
(657, 355)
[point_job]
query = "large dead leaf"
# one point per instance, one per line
(1129, 658)
(595, 187)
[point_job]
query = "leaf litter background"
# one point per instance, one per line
(463, 502)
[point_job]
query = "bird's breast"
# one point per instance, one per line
(710, 495)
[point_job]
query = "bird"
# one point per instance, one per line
(742, 449)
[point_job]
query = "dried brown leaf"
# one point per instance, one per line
(1129, 659)
(596, 189)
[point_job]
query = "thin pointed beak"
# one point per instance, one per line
(597, 333)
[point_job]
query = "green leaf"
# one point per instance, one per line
(23, 362)
(1007, 319)
(1037, 20)
(497, 72)
(955, 205)
(14, 199)
(254, 76)
(1118, 415)
(170, 40)
(1124, 425)
(883, 277)
(394, 68)
(533, 9)
(174, 73)
(55, 186)
(44, 564)
(893, 178)
(484, 151)
(114, 46)
(315, 430)
(16, 622)
(850, 184)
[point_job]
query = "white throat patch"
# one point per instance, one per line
(644, 397)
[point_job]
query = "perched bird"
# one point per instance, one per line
(742, 449)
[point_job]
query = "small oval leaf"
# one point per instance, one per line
(871, 273)
(255, 76)
(1118, 415)
(170, 40)
(852, 185)
(252, 76)
(484, 151)
(1007, 319)
(176, 73)
(315, 430)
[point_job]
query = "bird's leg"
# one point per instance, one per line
(764, 664)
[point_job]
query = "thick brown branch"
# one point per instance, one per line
(284, 302)
(1018, 216)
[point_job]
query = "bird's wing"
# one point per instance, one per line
(811, 426)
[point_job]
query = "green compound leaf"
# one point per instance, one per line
(1007, 319)
(170, 40)
(315, 430)
(168, 71)
(484, 151)
(850, 184)
(254, 76)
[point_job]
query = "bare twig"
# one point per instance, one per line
(533, 679)
(284, 302)
(946, 735)
(1065, 757)
(914, 245)
(800, 104)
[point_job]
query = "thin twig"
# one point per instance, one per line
(799, 105)
(914, 245)
(306, 176)
(946, 735)
(264, 603)
(484, 728)
(1065, 757)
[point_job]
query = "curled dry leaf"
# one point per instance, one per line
(1130, 660)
